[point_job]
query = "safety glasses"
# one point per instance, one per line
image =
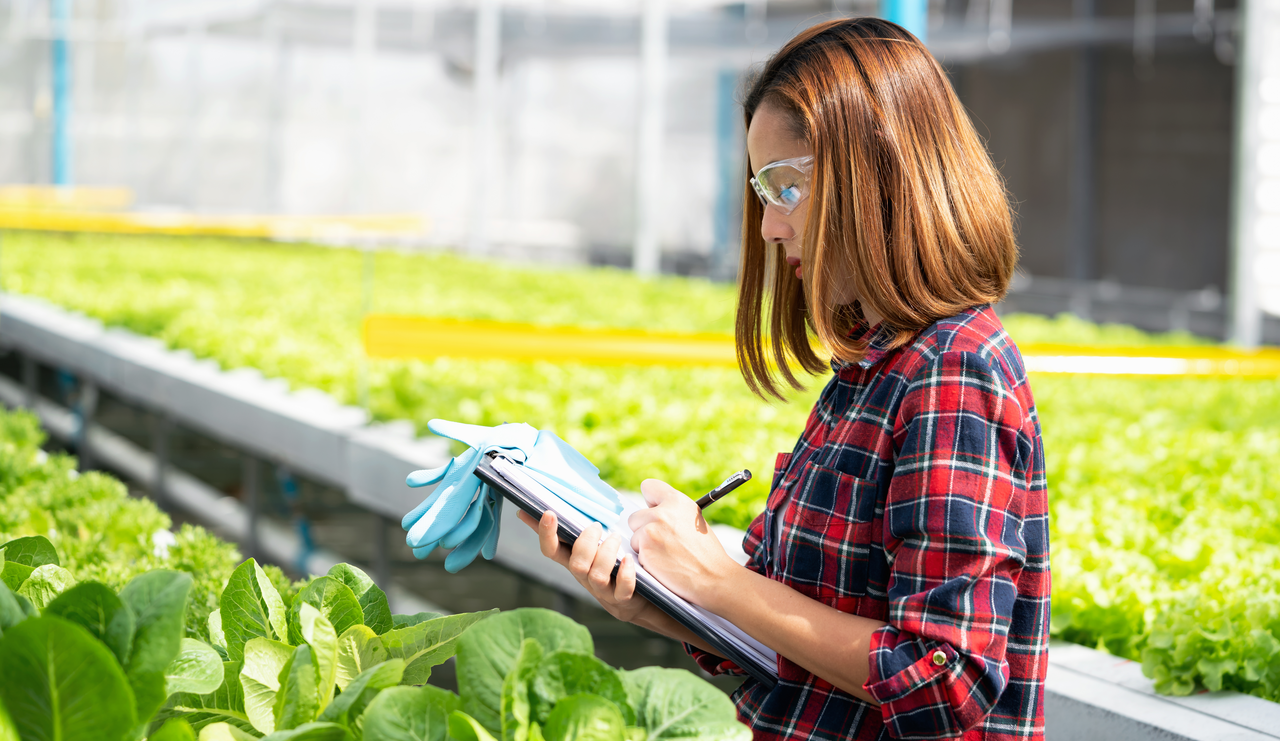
(784, 183)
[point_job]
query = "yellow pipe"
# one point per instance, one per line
(387, 336)
(62, 199)
(265, 227)
(390, 336)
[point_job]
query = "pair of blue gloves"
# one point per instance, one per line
(464, 514)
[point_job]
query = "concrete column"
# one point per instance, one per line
(1081, 217)
(647, 249)
(30, 379)
(729, 164)
(86, 408)
(1255, 233)
(364, 42)
(382, 572)
(251, 483)
(488, 51)
(277, 49)
(161, 433)
(195, 99)
(1000, 25)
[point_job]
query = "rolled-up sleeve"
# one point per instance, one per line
(712, 664)
(953, 536)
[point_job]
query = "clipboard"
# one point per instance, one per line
(506, 477)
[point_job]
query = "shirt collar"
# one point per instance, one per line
(877, 347)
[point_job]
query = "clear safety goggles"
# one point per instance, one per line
(784, 183)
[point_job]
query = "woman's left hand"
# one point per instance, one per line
(677, 545)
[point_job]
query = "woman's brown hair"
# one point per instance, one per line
(903, 200)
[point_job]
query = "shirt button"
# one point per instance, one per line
(939, 658)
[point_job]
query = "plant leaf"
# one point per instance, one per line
(428, 644)
(217, 638)
(410, 714)
(333, 599)
(59, 682)
(373, 601)
(250, 607)
(159, 603)
(465, 728)
(260, 678)
(311, 732)
(223, 705)
(8, 731)
(225, 732)
(1213, 670)
(14, 574)
(358, 649)
(404, 621)
(45, 583)
(585, 717)
(298, 699)
(672, 703)
(22, 556)
(196, 669)
(515, 692)
(361, 690)
(487, 652)
(564, 673)
(175, 729)
(97, 609)
(33, 551)
(11, 612)
(319, 634)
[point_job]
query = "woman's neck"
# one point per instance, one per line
(871, 316)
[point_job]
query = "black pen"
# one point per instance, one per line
(731, 483)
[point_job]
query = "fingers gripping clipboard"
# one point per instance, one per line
(506, 477)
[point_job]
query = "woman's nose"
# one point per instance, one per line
(774, 226)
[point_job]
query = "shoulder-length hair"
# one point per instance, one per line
(904, 202)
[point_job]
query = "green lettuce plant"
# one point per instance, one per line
(82, 662)
(101, 533)
(1164, 521)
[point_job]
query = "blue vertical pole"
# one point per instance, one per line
(728, 173)
(61, 10)
(912, 15)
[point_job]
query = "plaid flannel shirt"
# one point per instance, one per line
(916, 496)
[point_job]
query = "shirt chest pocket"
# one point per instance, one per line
(831, 549)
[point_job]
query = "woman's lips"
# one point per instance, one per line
(795, 263)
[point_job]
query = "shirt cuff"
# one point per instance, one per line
(712, 664)
(896, 692)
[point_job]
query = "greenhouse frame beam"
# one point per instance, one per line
(731, 40)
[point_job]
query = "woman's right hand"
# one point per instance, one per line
(592, 565)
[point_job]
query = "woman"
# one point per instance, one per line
(901, 568)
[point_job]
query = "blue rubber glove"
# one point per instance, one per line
(464, 514)
(460, 513)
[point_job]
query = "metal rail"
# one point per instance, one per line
(221, 513)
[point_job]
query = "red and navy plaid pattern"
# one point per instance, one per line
(917, 496)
